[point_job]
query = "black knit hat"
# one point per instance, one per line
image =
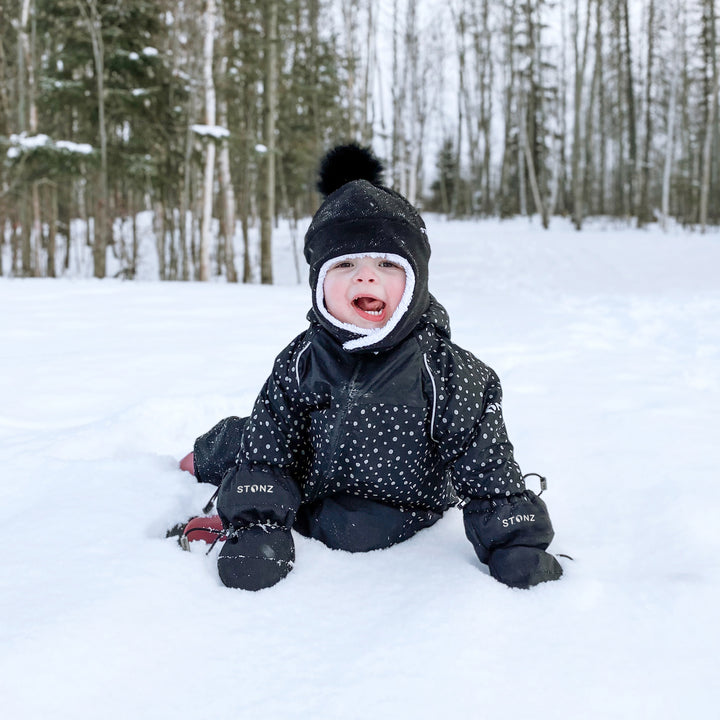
(360, 216)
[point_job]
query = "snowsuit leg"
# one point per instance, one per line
(354, 524)
(216, 451)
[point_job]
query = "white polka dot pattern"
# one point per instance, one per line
(419, 426)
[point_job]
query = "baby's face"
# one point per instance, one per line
(364, 291)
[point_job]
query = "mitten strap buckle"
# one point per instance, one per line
(543, 481)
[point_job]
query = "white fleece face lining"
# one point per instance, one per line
(370, 336)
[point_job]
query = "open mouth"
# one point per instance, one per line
(369, 307)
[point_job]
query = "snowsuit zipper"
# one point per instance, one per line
(352, 393)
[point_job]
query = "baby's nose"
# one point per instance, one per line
(365, 274)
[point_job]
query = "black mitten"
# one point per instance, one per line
(511, 535)
(255, 558)
(257, 495)
(522, 567)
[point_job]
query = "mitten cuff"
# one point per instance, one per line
(506, 522)
(257, 495)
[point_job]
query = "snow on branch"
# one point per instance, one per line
(73, 147)
(214, 131)
(23, 143)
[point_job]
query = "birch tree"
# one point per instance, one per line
(226, 182)
(209, 22)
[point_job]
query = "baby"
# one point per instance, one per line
(373, 422)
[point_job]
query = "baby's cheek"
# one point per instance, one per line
(334, 299)
(330, 293)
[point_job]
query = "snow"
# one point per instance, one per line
(608, 346)
(214, 131)
(73, 147)
(23, 142)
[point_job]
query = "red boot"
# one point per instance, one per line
(207, 529)
(188, 463)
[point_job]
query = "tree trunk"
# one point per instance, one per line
(171, 233)
(186, 221)
(101, 238)
(602, 119)
(589, 144)
(620, 195)
(559, 202)
(36, 234)
(630, 96)
(3, 220)
(368, 108)
(710, 125)
(415, 120)
(159, 232)
(68, 237)
(52, 229)
(679, 42)
(269, 110)
(505, 200)
(456, 207)
(31, 256)
(5, 106)
(532, 175)
(580, 63)
(486, 108)
(209, 167)
(397, 100)
(228, 192)
(25, 238)
(135, 238)
(644, 214)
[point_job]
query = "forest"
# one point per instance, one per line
(212, 115)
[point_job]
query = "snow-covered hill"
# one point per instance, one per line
(608, 346)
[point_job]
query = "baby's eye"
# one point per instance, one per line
(344, 264)
(388, 264)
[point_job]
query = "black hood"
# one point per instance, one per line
(363, 217)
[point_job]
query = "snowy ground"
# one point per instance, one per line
(608, 345)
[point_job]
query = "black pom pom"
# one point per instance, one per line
(346, 163)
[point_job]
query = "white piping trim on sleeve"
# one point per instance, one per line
(369, 336)
(434, 405)
(297, 364)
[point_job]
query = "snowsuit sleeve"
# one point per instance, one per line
(215, 452)
(499, 512)
(261, 489)
(469, 428)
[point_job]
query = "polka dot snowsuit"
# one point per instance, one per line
(411, 431)
(413, 427)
